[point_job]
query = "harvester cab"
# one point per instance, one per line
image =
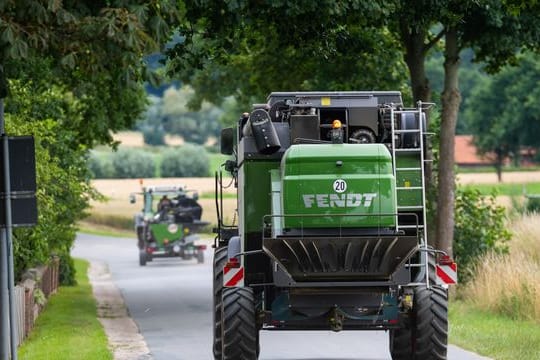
(331, 229)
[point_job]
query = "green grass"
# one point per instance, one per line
(493, 335)
(111, 220)
(507, 188)
(68, 327)
(93, 229)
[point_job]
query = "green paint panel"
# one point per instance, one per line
(160, 232)
(311, 177)
(256, 200)
(408, 178)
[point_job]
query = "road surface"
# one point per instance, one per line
(171, 302)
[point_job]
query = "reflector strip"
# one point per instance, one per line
(447, 274)
(233, 277)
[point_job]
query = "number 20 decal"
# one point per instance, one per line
(340, 186)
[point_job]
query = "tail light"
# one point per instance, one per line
(233, 263)
(445, 260)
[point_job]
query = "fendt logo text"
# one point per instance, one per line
(338, 200)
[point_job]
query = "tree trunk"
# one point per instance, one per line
(451, 99)
(415, 56)
(499, 163)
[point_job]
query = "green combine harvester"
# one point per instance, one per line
(168, 223)
(331, 230)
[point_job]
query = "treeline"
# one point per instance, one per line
(186, 161)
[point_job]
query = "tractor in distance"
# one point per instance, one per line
(167, 224)
(331, 231)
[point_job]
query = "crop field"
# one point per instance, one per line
(120, 211)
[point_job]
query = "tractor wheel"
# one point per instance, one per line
(239, 327)
(427, 337)
(142, 258)
(200, 256)
(140, 237)
(220, 258)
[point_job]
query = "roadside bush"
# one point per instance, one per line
(187, 161)
(100, 166)
(63, 191)
(66, 272)
(533, 204)
(133, 163)
(153, 135)
(480, 227)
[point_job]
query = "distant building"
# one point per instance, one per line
(466, 154)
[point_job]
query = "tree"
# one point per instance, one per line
(494, 35)
(503, 111)
(171, 114)
(75, 69)
(247, 49)
(93, 47)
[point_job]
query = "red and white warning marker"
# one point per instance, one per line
(233, 274)
(446, 271)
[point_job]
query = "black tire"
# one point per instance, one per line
(220, 258)
(200, 257)
(363, 136)
(401, 344)
(140, 237)
(239, 328)
(142, 258)
(427, 336)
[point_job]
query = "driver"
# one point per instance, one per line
(164, 203)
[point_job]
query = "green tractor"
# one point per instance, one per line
(331, 230)
(167, 224)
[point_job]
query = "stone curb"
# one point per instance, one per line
(124, 337)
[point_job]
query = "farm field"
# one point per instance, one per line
(117, 192)
(491, 178)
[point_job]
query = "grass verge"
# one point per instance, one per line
(508, 189)
(496, 336)
(68, 328)
(103, 230)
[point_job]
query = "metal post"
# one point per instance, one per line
(4, 278)
(9, 242)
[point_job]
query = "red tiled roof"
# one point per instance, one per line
(466, 154)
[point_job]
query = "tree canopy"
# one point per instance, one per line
(504, 110)
(247, 49)
(75, 70)
(94, 48)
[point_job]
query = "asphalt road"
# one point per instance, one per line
(170, 300)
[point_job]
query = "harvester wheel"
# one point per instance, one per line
(239, 327)
(401, 344)
(220, 258)
(142, 257)
(427, 337)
